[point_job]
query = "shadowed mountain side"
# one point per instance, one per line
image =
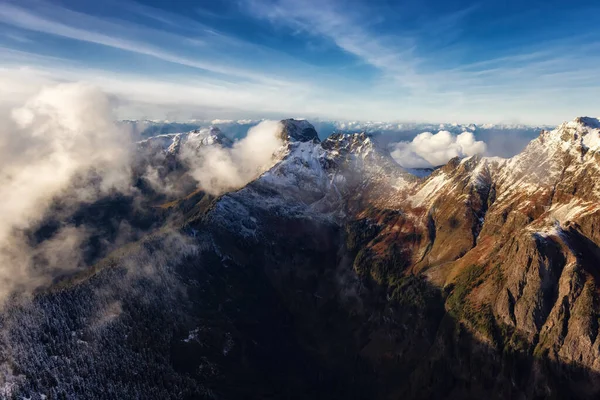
(336, 274)
(289, 319)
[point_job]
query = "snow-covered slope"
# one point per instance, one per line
(567, 153)
(478, 280)
(172, 143)
(513, 242)
(322, 179)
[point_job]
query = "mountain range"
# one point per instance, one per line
(333, 273)
(506, 139)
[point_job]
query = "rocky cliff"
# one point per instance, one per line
(338, 274)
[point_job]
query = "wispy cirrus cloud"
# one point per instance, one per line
(148, 97)
(353, 60)
(347, 31)
(354, 28)
(407, 59)
(59, 21)
(401, 55)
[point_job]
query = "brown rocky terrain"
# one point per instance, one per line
(514, 245)
(510, 244)
(338, 274)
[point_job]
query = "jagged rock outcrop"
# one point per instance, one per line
(514, 242)
(172, 143)
(298, 130)
(511, 242)
(335, 274)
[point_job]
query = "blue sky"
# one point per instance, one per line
(531, 62)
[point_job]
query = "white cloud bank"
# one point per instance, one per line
(219, 169)
(63, 133)
(64, 143)
(430, 150)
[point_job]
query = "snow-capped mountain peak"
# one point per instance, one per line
(171, 143)
(581, 130)
(298, 130)
(358, 143)
(584, 131)
(590, 122)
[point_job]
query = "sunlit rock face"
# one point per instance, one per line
(334, 272)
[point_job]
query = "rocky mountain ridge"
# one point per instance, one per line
(511, 241)
(520, 236)
(338, 274)
(172, 142)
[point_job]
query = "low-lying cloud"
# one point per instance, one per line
(430, 150)
(63, 143)
(62, 151)
(219, 169)
(62, 134)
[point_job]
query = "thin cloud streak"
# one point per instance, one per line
(141, 97)
(324, 18)
(546, 68)
(410, 81)
(25, 19)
